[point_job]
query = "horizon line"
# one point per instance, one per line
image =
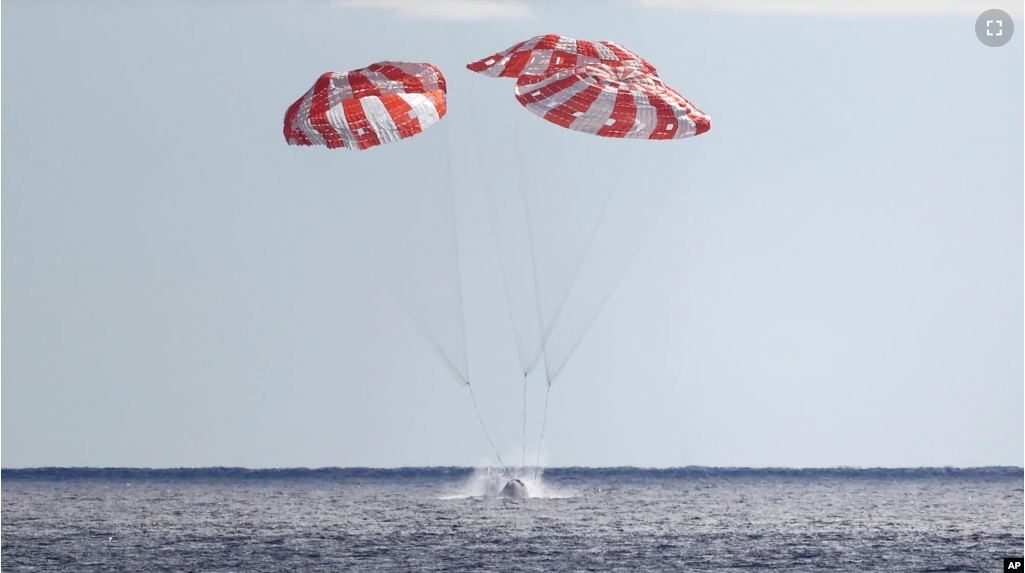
(451, 467)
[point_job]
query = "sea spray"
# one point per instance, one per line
(487, 481)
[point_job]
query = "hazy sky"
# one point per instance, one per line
(837, 279)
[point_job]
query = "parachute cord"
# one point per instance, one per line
(615, 285)
(410, 315)
(505, 283)
(544, 421)
(530, 243)
(455, 247)
(459, 279)
(548, 329)
(484, 427)
(494, 233)
(523, 460)
(661, 213)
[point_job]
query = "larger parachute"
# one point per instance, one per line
(601, 88)
(611, 101)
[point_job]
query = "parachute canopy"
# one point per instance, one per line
(551, 53)
(381, 103)
(600, 88)
(611, 101)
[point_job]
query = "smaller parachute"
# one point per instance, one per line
(552, 53)
(611, 101)
(381, 103)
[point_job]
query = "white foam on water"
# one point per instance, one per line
(487, 482)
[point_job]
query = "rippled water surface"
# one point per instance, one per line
(450, 519)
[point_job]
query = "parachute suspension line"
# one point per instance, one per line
(583, 257)
(459, 279)
(544, 421)
(523, 460)
(494, 233)
(483, 426)
(530, 243)
(505, 283)
(543, 340)
(455, 248)
(505, 286)
(411, 316)
(615, 285)
(545, 331)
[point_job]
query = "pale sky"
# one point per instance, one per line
(836, 280)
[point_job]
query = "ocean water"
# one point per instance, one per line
(451, 519)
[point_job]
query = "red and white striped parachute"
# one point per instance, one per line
(600, 88)
(611, 102)
(381, 103)
(552, 53)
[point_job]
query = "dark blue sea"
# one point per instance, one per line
(452, 519)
